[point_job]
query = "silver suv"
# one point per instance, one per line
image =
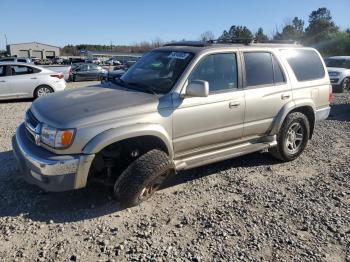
(180, 106)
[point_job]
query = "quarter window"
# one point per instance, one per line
(306, 64)
(219, 70)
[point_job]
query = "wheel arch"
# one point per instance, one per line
(42, 85)
(306, 107)
(147, 133)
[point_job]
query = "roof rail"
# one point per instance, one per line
(189, 43)
(248, 41)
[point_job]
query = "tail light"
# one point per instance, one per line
(330, 94)
(59, 76)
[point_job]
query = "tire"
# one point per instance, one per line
(99, 78)
(295, 123)
(42, 91)
(142, 178)
(345, 85)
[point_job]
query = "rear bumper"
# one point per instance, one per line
(49, 171)
(322, 114)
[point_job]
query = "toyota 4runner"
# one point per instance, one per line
(180, 106)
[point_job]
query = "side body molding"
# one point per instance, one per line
(277, 123)
(113, 135)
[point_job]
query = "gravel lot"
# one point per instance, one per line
(251, 208)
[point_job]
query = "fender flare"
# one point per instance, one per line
(286, 109)
(114, 135)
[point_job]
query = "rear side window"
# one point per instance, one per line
(258, 68)
(278, 73)
(306, 64)
(21, 70)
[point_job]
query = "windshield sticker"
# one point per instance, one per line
(178, 55)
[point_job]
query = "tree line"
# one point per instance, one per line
(321, 33)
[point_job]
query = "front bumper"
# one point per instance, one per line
(49, 171)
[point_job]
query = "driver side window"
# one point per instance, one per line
(219, 70)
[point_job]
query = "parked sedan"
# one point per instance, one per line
(20, 80)
(87, 72)
(16, 60)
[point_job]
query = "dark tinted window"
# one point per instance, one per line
(220, 70)
(22, 60)
(337, 62)
(278, 73)
(2, 71)
(21, 70)
(306, 64)
(258, 68)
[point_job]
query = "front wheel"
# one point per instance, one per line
(292, 137)
(345, 86)
(141, 179)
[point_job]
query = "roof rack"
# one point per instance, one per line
(189, 43)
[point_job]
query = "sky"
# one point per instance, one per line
(62, 22)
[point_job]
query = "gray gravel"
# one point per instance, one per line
(251, 208)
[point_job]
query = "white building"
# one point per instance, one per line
(33, 49)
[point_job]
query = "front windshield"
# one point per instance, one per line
(342, 63)
(156, 72)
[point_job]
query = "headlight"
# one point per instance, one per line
(333, 73)
(56, 138)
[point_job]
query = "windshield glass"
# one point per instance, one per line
(156, 71)
(342, 63)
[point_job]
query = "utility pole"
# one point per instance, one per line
(6, 40)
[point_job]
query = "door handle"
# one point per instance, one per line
(233, 104)
(2, 81)
(285, 96)
(33, 78)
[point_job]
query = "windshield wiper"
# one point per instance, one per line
(141, 87)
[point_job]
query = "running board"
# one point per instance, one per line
(222, 154)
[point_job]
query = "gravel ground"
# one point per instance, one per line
(251, 208)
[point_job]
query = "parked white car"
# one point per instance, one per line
(339, 72)
(20, 80)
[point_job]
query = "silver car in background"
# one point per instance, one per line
(21, 80)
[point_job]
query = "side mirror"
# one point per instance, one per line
(197, 88)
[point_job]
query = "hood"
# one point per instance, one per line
(337, 69)
(83, 106)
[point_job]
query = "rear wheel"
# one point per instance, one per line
(42, 91)
(142, 178)
(292, 137)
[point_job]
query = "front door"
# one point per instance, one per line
(23, 80)
(201, 123)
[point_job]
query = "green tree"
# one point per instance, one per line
(206, 36)
(291, 31)
(260, 36)
(321, 26)
(236, 32)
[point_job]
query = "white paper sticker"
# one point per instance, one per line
(178, 55)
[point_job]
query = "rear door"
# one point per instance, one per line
(267, 90)
(93, 72)
(23, 80)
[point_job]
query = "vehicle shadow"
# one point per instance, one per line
(22, 100)
(340, 112)
(19, 198)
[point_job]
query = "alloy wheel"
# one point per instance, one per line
(294, 139)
